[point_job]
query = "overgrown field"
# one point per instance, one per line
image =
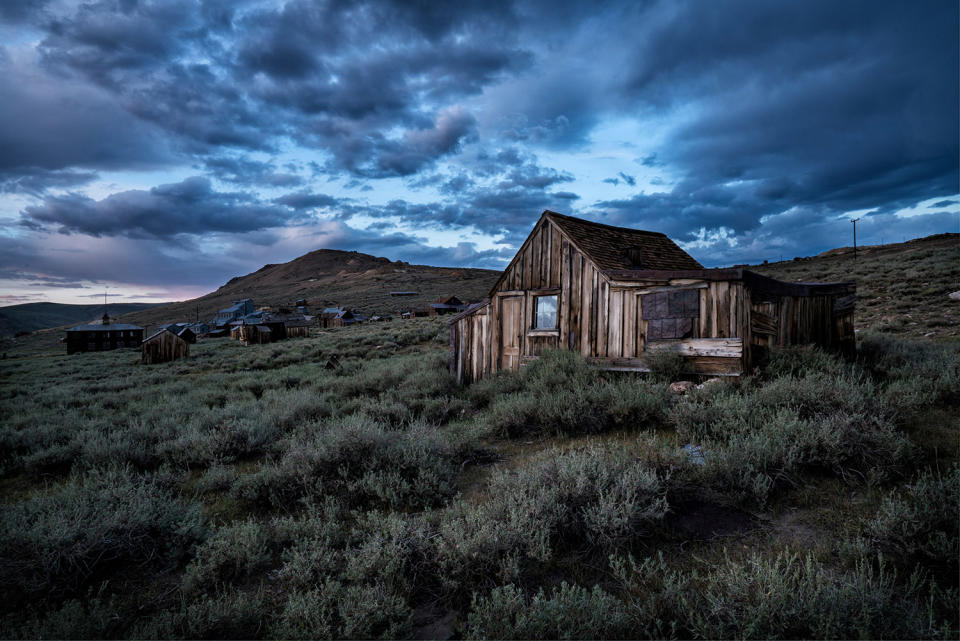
(256, 492)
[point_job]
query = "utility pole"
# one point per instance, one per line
(854, 221)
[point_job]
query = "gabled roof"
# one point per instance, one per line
(158, 333)
(607, 245)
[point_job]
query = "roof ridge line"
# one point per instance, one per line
(552, 213)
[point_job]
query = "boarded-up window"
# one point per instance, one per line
(670, 314)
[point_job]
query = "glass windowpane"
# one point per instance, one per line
(546, 312)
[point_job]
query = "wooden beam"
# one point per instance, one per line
(719, 347)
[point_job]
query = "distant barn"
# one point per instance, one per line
(617, 295)
(163, 347)
(99, 338)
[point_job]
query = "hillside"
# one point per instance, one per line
(902, 288)
(329, 277)
(29, 317)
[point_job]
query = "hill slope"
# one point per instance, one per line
(329, 277)
(902, 288)
(29, 317)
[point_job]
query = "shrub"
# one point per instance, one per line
(230, 614)
(572, 612)
(760, 439)
(232, 552)
(93, 618)
(563, 394)
(359, 459)
(792, 597)
(920, 522)
(665, 366)
(57, 541)
(597, 496)
(335, 611)
(787, 597)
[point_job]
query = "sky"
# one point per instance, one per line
(154, 150)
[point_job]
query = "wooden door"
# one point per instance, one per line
(510, 331)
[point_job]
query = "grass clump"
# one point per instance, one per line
(570, 612)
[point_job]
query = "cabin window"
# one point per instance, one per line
(670, 315)
(546, 316)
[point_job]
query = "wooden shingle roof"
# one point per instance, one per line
(607, 246)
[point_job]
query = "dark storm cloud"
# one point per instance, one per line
(54, 124)
(36, 181)
(494, 197)
(40, 280)
(307, 200)
(246, 78)
(17, 11)
(245, 171)
(845, 105)
(189, 207)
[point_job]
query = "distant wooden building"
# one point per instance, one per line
(99, 338)
(337, 317)
(187, 334)
(163, 347)
(616, 295)
(446, 305)
(297, 328)
(251, 334)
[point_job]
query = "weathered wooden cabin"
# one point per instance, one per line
(297, 327)
(617, 295)
(163, 347)
(337, 317)
(99, 338)
(251, 334)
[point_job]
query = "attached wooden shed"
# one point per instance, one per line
(163, 347)
(616, 295)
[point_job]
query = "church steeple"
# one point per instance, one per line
(106, 316)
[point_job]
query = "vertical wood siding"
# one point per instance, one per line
(604, 321)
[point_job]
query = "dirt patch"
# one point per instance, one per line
(430, 623)
(705, 520)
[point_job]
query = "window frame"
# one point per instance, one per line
(536, 313)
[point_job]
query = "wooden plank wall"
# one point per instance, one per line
(163, 348)
(777, 321)
(470, 346)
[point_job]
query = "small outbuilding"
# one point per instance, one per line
(297, 327)
(163, 347)
(251, 334)
(618, 295)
